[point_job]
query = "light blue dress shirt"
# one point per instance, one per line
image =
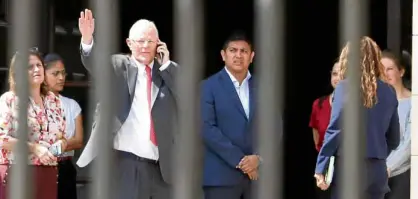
(243, 91)
(399, 160)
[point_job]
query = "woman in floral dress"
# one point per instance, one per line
(46, 127)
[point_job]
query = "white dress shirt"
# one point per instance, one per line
(243, 91)
(134, 135)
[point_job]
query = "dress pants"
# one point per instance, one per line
(242, 190)
(376, 181)
(139, 178)
(400, 186)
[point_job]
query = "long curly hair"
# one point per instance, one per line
(371, 69)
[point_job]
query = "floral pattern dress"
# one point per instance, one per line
(45, 126)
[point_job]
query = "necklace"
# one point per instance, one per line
(39, 114)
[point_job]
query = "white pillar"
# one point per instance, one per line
(414, 112)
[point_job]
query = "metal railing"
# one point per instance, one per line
(270, 17)
(188, 23)
(269, 28)
(414, 111)
(23, 24)
(353, 165)
(106, 37)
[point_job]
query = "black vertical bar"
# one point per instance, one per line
(44, 18)
(189, 36)
(51, 26)
(394, 26)
(269, 28)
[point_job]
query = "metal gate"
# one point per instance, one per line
(189, 31)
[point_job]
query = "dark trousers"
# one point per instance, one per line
(400, 186)
(67, 179)
(376, 181)
(139, 178)
(239, 191)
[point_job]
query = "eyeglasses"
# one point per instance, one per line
(142, 42)
(57, 73)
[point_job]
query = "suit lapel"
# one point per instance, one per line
(253, 96)
(132, 76)
(229, 87)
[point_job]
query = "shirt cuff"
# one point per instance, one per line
(165, 66)
(86, 48)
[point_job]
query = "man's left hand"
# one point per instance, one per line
(162, 49)
(249, 163)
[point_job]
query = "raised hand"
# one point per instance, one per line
(86, 26)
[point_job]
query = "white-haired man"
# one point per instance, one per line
(145, 84)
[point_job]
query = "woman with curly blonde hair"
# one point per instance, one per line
(382, 127)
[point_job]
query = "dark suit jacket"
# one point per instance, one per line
(382, 126)
(226, 131)
(164, 110)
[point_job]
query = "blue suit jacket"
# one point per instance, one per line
(382, 125)
(226, 131)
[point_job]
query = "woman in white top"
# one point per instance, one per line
(55, 79)
(399, 160)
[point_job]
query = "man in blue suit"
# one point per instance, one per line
(227, 105)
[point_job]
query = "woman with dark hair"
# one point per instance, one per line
(320, 115)
(46, 126)
(55, 75)
(321, 111)
(399, 160)
(379, 104)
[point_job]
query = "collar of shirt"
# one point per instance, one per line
(141, 67)
(235, 81)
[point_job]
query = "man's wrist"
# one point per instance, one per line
(87, 40)
(260, 159)
(239, 163)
